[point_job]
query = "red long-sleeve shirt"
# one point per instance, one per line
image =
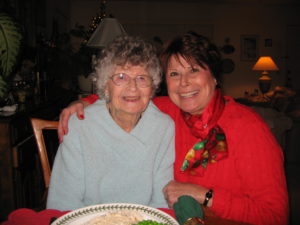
(249, 185)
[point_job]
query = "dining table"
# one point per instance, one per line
(25, 216)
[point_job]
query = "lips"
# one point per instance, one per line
(131, 98)
(188, 94)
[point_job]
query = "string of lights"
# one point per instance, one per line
(98, 18)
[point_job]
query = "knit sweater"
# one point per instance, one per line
(249, 185)
(98, 162)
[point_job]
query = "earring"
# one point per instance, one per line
(106, 96)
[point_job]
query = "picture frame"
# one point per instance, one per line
(268, 42)
(249, 47)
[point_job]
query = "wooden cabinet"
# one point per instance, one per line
(21, 181)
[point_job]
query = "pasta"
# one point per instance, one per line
(120, 218)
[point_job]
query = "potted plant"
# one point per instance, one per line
(10, 45)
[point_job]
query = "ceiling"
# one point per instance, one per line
(218, 1)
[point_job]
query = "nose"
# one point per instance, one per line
(184, 80)
(132, 83)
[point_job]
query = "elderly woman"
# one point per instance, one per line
(124, 150)
(226, 155)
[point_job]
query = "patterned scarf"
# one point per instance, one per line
(212, 145)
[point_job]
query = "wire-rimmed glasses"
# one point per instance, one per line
(122, 79)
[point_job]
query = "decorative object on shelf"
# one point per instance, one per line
(228, 65)
(280, 98)
(265, 64)
(227, 48)
(10, 45)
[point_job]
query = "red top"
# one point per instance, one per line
(249, 185)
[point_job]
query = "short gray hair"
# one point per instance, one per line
(123, 50)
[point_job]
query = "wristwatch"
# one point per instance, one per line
(208, 196)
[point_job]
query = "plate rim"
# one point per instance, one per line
(64, 219)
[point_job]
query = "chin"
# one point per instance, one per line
(134, 111)
(191, 110)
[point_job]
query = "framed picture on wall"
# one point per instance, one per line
(249, 47)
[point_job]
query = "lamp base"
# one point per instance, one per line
(264, 84)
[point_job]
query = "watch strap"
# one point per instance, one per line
(208, 196)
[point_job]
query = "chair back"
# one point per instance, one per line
(38, 126)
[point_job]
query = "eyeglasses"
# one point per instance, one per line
(122, 79)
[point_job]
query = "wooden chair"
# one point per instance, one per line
(38, 126)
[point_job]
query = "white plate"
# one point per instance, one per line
(83, 215)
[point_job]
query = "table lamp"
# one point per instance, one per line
(107, 30)
(265, 64)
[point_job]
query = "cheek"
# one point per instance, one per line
(113, 92)
(171, 85)
(211, 84)
(147, 94)
(207, 82)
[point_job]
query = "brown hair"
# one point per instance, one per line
(194, 48)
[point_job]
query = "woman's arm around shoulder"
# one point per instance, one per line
(75, 107)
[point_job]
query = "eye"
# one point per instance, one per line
(174, 74)
(194, 70)
(121, 76)
(141, 78)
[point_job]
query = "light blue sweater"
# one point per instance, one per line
(98, 162)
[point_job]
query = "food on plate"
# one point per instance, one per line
(149, 222)
(120, 218)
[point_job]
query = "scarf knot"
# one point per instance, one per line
(211, 145)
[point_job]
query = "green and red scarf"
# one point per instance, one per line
(212, 145)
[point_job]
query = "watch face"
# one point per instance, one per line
(209, 194)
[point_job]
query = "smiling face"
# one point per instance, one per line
(128, 99)
(190, 86)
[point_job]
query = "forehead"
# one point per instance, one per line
(180, 60)
(129, 68)
(184, 61)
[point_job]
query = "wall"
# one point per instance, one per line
(58, 16)
(218, 21)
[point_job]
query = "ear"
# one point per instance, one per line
(106, 94)
(153, 92)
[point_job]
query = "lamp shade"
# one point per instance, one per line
(107, 30)
(265, 63)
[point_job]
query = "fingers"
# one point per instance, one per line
(80, 112)
(60, 133)
(63, 129)
(170, 195)
(63, 124)
(170, 200)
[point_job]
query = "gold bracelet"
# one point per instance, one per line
(194, 221)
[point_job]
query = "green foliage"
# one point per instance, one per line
(149, 222)
(10, 43)
(2, 87)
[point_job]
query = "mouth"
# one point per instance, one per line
(131, 98)
(188, 94)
